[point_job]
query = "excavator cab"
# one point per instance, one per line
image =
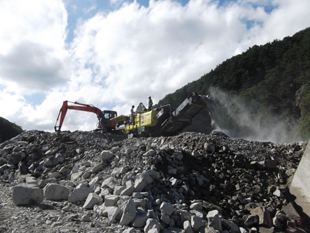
(105, 120)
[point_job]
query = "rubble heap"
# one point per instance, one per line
(193, 182)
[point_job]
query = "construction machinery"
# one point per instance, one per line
(164, 120)
(104, 117)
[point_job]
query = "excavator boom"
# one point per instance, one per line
(103, 116)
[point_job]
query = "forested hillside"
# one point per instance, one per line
(270, 80)
(8, 130)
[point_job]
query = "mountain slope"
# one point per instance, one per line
(8, 130)
(271, 80)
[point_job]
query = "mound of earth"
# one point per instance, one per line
(193, 182)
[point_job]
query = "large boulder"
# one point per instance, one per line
(56, 192)
(27, 194)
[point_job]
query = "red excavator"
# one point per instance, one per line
(104, 116)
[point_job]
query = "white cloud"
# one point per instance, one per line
(32, 54)
(119, 58)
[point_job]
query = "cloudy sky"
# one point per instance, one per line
(115, 53)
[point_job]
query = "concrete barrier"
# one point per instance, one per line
(300, 185)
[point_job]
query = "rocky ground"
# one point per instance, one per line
(193, 182)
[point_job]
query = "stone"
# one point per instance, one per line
(213, 219)
(110, 200)
(252, 220)
(271, 163)
(129, 212)
(266, 230)
(79, 194)
(106, 155)
(149, 153)
(127, 191)
(152, 225)
(140, 220)
(196, 206)
(48, 163)
(75, 176)
(56, 192)
(16, 157)
(232, 227)
(86, 218)
(172, 170)
(91, 200)
(166, 208)
(93, 181)
(27, 194)
(197, 223)
(59, 158)
(242, 230)
(187, 227)
(165, 218)
(263, 215)
(31, 180)
(23, 170)
(112, 212)
(110, 182)
(97, 168)
(118, 189)
(278, 193)
(291, 212)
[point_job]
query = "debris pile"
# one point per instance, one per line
(193, 182)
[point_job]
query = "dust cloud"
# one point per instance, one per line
(232, 116)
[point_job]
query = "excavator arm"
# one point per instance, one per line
(77, 106)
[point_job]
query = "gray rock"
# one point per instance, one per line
(166, 208)
(79, 194)
(75, 176)
(140, 220)
(59, 158)
(129, 212)
(197, 223)
(165, 219)
(110, 182)
(110, 200)
(149, 153)
(112, 212)
(106, 155)
(252, 220)
(144, 179)
(232, 227)
(152, 225)
(16, 157)
(91, 200)
(86, 218)
(263, 215)
(56, 192)
(97, 168)
(291, 212)
(48, 163)
(127, 191)
(187, 227)
(214, 220)
(27, 194)
(31, 180)
(118, 189)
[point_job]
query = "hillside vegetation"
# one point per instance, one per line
(272, 80)
(8, 130)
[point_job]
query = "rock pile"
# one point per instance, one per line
(193, 182)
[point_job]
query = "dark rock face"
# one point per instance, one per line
(192, 182)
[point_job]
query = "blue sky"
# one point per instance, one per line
(115, 53)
